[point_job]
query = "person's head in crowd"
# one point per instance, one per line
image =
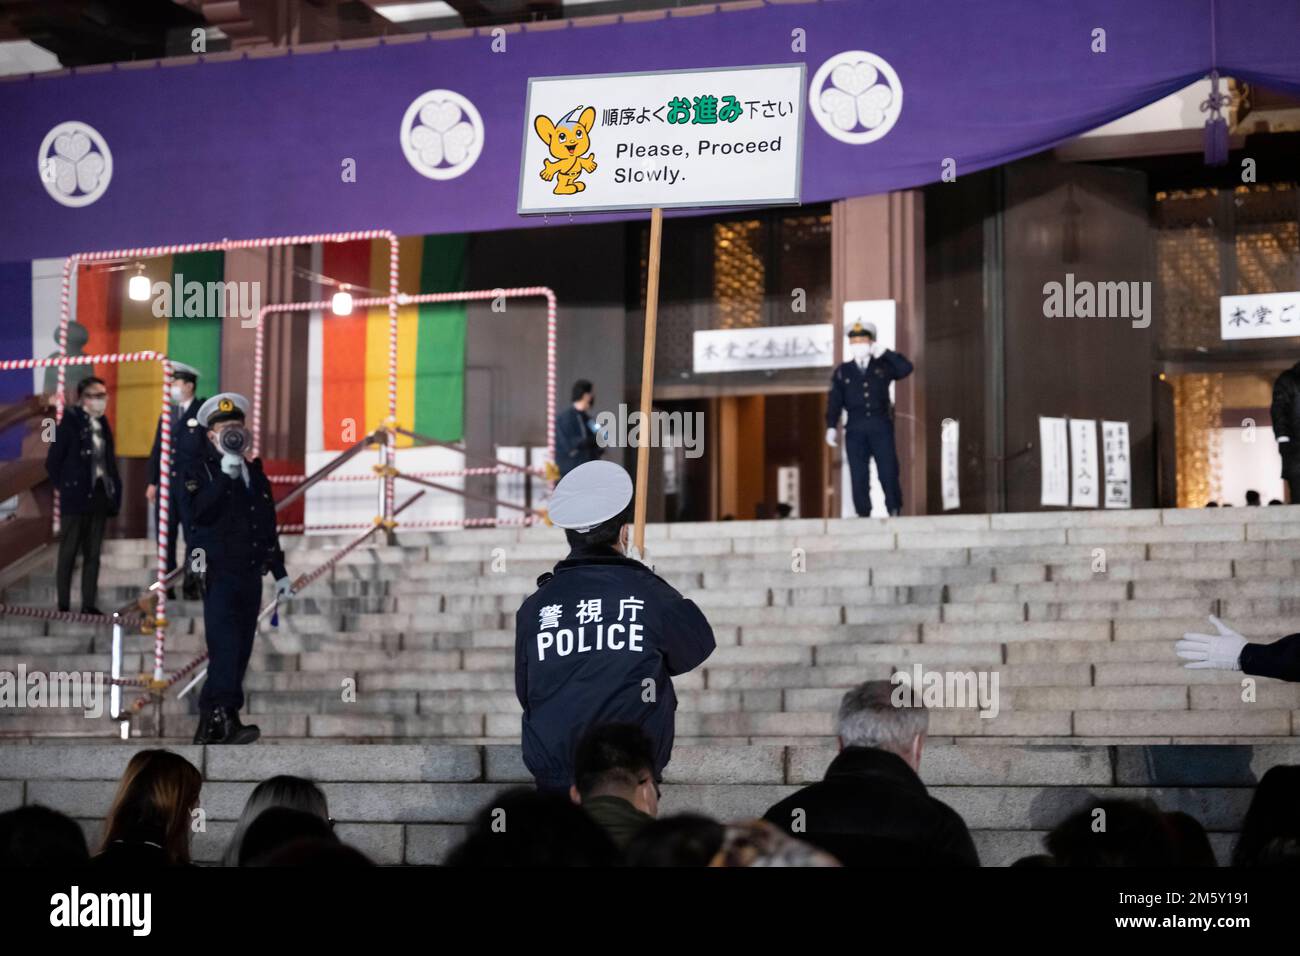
(583, 395)
(314, 853)
(1274, 501)
(155, 802)
(614, 779)
(869, 717)
(1033, 861)
(1252, 499)
(1112, 833)
(759, 843)
(39, 836)
(283, 790)
(783, 511)
(1191, 843)
(277, 827)
(525, 828)
(92, 396)
(1211, 504)
(1273, 816)
(686, 839)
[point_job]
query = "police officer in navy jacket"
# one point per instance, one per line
(82, 465)
(233, 517)
(860, 386)
(188, 437)
(601, 638)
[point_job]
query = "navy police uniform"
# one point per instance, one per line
(600, 639)
(233, 522)
(864, 393)
(188, 438)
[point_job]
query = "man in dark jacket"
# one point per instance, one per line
(614, 780)
(82, 466)
(232, 513)
(872, 809)
(188, 437)
(575, 432)
(602, 636)
(860, 387)
(1286, 427)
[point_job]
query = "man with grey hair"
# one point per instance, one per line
(872, 809)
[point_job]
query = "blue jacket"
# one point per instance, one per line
(70, 463)
(233, 524)
(865, 394)
(585, 642)
(188, 437)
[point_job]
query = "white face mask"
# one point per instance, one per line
(859, 351)
(178, 393)
(95, 406)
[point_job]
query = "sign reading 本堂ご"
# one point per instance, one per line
(724, 137)
(764, 347)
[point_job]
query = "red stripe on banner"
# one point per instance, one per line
(343, 348)
(99, 310)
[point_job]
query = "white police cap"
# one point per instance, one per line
(591, 494)
(189, 371)
(862, 328)
(220, 408)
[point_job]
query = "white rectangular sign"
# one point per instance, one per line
(724, 137)
(764, 347)
(1085, 478)
(1115, 460)
(1054, 446)
(1268, 316)
(949, 437)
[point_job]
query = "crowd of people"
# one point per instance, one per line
(870, 809)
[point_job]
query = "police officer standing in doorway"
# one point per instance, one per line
(601, 638)
(187, 440)
(232, 515)
(860, 386)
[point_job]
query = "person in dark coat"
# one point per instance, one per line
(82, 466)
(1286, 427)
(232, 513)
(872, 809)
(187, 440)
(1228, 650)
(860, 387)
(602, 636)
(575, 432)
(614, 780)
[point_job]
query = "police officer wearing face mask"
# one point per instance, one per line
(83, 467)
(187, 439)
(860, 386)
(232, 514)
(601, 638)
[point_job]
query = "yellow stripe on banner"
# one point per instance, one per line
(139, 384)
(407, 336)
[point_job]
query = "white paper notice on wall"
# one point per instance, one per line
(949, 437)
(1267, 315)
(1116, 460)
(1054, 442)
(1085, 473)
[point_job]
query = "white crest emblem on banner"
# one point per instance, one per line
(441, 134)
(856, 97)
(75, 164)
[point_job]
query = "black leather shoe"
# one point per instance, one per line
(91, 609)
(225, 728)
(205, 723)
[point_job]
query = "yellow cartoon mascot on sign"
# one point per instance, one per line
(568, 141)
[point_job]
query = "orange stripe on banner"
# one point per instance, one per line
(138, 397)
(98, 313)
(343, 349)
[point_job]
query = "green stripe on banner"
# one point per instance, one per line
(197, 340)
(440, 349)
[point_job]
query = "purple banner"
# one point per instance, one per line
(425, 136)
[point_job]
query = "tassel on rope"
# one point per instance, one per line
(1216, 127)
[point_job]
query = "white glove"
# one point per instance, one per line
(877, 350)
(1282, 439)
(231, 464)
(832, 438)
(283, 589)
(1221, 651)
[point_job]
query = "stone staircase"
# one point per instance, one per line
(1076, 612)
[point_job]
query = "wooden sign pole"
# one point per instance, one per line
(647, 381)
